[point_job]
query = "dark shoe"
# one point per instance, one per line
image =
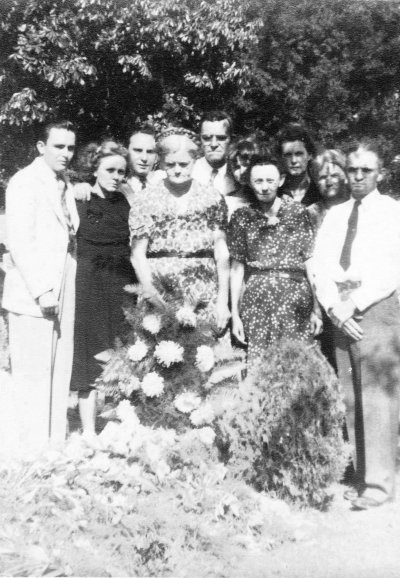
(351, 494)
(366, 503)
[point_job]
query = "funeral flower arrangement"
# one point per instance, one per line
(171, 360)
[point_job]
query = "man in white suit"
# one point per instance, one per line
(39, 289)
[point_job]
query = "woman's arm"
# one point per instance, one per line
(143, 272)
(221, 256)
(316, 315)
(237, 276)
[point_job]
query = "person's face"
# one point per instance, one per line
(178, 167)
(363, 173)
(142, 153)
(58, 150)
(331, 181)
(215, 141)
(110, 173)
(265, 181)
(295, 157)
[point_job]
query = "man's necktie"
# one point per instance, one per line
(345, 257)
(62, 187)
(214, 173)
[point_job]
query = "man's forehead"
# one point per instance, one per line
(363, 158)
(215, 127)
(61, 136)
(141, 140)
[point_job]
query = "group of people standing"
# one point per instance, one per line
(286, 244)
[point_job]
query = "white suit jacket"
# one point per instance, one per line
(37, 237)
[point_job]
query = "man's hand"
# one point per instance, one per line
(352, 329)
(342, 311)
(82, 191)
(48, 304)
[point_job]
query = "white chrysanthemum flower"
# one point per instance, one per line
(168, 352)
(186, 316)
(162, 470)
(152, 384)
(186, 402)
(138, 351)
(205, 358)
(206, 435)
(152, 324)
(127, 387)
(204, 414)
(125, 411)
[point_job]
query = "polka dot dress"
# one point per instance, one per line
(273, 307)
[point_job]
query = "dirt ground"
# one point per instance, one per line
(342, 543)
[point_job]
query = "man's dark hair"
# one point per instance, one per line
(217, 116)
(145, 128)
(293, 132)
(44, 130)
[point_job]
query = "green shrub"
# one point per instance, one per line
(283, 431)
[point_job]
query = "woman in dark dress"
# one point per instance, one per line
(271, 242)
(103, 270)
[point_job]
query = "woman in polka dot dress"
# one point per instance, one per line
(270, 244)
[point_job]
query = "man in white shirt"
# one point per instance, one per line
(213, 168)
(357, 271)
(39, 288)
(142, 150)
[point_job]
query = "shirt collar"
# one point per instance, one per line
(44, 170)
(369, 199)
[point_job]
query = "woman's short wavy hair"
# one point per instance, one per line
(172, 142)
(90, 156)
(328, 156)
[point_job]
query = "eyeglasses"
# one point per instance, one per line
(365, 170)
(219, 137)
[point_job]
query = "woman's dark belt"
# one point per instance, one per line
(294, 275)
(199, 254)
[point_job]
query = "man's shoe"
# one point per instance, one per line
(351, 494)
(367, 503)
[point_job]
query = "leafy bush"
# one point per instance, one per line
(124, 511)
(283, 428)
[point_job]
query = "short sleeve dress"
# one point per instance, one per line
(103, 269)
(277, 301)
(181, 241)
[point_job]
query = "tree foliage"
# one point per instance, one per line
(334, 65)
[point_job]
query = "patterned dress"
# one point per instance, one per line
(181, 241)
(277, 301)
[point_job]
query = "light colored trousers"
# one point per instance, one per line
(41, 352)
(369, 374)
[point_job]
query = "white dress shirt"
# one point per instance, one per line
(222, 181)
(375, 255)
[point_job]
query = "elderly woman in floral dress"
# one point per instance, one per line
(178, 231)
(271, 241)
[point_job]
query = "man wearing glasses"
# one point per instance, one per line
(215, 137)
(357, 272)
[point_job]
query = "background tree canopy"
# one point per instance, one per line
(108, 64)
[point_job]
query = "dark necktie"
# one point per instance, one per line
(345, 257)
(62, 187)
(213, 174)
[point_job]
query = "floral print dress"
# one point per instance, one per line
(181, 244)
(277, 301)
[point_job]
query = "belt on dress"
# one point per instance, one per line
(199, 254)
(298, 276)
